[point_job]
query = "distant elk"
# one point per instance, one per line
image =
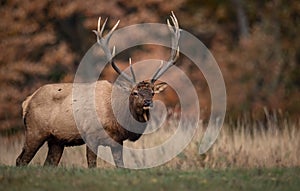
(48, 113)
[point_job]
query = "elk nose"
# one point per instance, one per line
(148, 103)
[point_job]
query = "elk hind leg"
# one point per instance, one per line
(31, 146)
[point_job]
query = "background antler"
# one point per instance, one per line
(103, 41)
(175, 48)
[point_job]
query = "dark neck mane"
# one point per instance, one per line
(134, 124)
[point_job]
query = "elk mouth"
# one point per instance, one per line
(147, 105)
(146, 109)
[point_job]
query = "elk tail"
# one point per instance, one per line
(25, 107)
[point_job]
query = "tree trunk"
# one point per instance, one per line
(241, 18)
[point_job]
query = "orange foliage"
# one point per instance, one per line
(43, 42)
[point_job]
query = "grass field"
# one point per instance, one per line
(47, 178)
(246, 146)
(246, 157)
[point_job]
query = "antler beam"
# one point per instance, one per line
(175, 48)
(103, 41)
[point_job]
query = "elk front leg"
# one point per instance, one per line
(54, 153)
(117, 153)
(91, 157)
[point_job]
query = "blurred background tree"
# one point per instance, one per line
(256, 44)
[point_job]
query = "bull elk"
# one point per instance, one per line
(48, 113)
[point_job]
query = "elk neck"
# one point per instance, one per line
(138, 112)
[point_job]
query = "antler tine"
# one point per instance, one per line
(175, 48)
(112, 30)
(132, 71)
(174, 20)
(169, 25)
(103, 41)
(103, 26)
(99, 24)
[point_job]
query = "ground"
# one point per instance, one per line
(61, 178)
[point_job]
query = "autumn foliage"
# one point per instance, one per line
(43, 42)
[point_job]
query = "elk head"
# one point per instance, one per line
(141, 93)
(141, 99)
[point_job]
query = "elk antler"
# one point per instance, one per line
(175, 48)
(103, 41)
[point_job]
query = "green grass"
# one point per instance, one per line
(47, 178)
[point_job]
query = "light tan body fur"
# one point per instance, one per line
(48, 113)
(48, 116)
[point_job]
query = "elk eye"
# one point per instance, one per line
(152, 93)
(135, 93)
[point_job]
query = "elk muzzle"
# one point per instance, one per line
(147, 104)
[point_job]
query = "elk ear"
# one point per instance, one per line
(160, 87)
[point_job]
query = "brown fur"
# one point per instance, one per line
(48, 116)
(48, 112)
